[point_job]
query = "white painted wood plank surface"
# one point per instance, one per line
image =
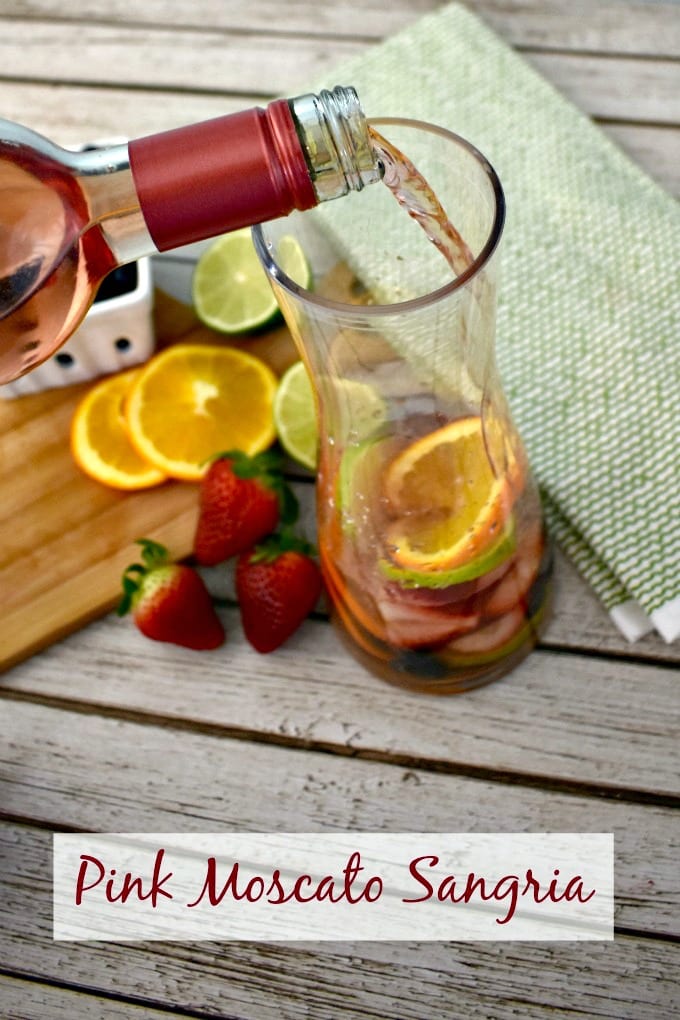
(628, 979)
(628, 89)
(68, 770)
(160, 735)
(584, 26)
(72, 114)
(625, 89)
(599, 27)
(562, 718)
(370, 21)
(186, 60)
(35, 1000)
(656, 150)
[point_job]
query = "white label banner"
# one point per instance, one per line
(350, 886)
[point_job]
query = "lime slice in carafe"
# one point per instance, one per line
(360, 410)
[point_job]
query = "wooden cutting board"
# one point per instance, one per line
(65, 540)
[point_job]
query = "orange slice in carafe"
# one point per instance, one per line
(446, 500)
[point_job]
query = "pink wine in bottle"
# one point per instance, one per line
(68, 218)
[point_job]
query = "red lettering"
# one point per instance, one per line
(130, 885)
(447, 890)
(276, 887)
(471, 887)
(210, 885)
(507, 886)
(296, 894)
(302, 891)
(552, 888)
(576, 894)
(254, 889)
(368, 894)
(573, 890)
(80, 884)
(136, 885)
(413, 871)
(350, 871)
(533, 885)
(326, 890)
(512, 890)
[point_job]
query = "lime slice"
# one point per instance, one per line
(230, 289)
(358, 482)
(492, 557)
(292, 260)
(295, 415)
(360, 410)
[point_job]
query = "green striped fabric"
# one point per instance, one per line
(588, 337)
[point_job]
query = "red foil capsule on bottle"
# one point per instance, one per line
(219, 175)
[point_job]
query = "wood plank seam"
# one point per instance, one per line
(99, 993)
(508, 777)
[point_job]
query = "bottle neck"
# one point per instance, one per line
(209, 178)
(108, 186)
(334, 135)
(245, 168)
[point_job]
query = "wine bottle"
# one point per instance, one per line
(68, 218)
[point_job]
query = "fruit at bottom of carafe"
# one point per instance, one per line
(514, 586)
(412, 626)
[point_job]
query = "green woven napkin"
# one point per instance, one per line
(588, 302)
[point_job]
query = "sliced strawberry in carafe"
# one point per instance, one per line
(411, 626)
(513, 589)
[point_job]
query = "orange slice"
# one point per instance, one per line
(193, 401)
(448, 503)
(100, 440)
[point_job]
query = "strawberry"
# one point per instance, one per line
(277, 584)
(169, 601)
(242, 499)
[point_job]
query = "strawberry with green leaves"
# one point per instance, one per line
(169, 601)
(277, 584)
(242, 499)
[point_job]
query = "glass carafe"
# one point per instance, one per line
(430, 529)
